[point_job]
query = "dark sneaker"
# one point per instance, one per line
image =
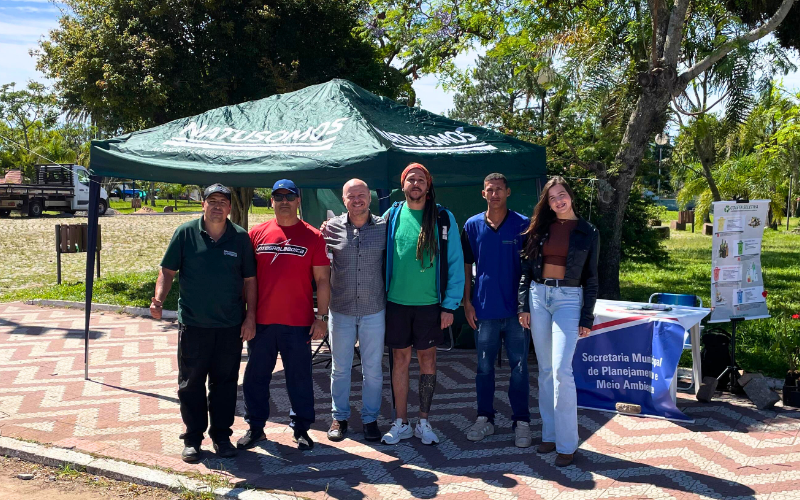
(191, 454)
(563, 459)
(303, 440)
(338, 430)
(545, 447)
(250, 438)
(224, 449)
(371, 432)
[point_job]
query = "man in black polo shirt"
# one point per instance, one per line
(217, 275)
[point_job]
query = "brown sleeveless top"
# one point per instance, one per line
(555, 249)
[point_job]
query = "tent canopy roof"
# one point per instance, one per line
(319, 137)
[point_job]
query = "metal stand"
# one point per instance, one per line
(325, 342)
(391, 382)
(733, 368)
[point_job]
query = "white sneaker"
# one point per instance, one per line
(480, 429)
(424, 431)
(398, 431)
(522, 434)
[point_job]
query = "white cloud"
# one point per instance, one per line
(431, 94)
(17, 66)
(31, 9)
(24, 28)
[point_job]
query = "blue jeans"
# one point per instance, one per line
(369, 331)
(555, 316)
(487, 343)
(294, 345)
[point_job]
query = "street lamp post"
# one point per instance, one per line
(789, 201)
(661, 140)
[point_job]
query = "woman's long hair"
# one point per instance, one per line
(543, 216)
(427, 236)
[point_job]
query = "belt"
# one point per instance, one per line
(559, 283)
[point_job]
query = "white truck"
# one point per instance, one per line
(58, 187)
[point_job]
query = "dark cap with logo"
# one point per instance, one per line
(287, 185)
(217, 188)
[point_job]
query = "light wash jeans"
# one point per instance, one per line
(369, 330)
(555, 316)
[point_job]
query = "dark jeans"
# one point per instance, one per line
(212, 354)
(294, 345)
(487, 344)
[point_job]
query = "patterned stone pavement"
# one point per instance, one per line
(128, 410)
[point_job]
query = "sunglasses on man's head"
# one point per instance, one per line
(281, 197)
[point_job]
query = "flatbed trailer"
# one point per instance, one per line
(62, 188)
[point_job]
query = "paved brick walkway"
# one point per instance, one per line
(129, 411)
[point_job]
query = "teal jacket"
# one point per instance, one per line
(452, 292)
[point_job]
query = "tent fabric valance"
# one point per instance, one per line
(319, 137)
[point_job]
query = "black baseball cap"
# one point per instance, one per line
(217, 188)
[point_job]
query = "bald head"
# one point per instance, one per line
(353, 183)
(356, 198)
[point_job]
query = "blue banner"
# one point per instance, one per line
(633, 364)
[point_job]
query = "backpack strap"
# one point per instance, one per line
(443, 224)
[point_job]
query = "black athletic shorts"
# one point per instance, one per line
(413, 325)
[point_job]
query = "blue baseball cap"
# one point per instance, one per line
(287, 185)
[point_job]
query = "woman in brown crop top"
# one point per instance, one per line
(557, 293)
(554, 250)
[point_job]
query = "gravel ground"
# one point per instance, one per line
(131, 243)
(51, 483)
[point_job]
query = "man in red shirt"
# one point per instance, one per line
(289, 254)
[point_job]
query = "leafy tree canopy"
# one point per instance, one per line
(138, 63)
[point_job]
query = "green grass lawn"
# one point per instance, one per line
(124, 207)
(689, 269)
(130, 289)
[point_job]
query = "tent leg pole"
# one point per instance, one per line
(91, 251)
(58, 252)
(383, 200)
(383, 205)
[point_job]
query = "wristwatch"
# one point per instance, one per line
(322, 317)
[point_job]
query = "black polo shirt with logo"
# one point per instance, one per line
(210, 274)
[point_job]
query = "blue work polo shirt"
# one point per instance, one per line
(495, 253)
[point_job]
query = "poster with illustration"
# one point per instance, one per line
(737, 284)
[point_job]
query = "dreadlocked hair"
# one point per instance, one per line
(427, 235)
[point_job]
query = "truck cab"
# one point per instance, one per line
(58, 187)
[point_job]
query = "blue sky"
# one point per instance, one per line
(24, 22)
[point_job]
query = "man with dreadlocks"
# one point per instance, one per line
(425, 284)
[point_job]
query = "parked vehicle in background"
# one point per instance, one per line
(58, 187)
(123, 191)
(259, 201)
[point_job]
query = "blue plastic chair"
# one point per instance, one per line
(679, 299)
(676, 299)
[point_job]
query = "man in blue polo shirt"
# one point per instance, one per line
(492, 241)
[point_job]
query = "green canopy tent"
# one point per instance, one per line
(319, 137)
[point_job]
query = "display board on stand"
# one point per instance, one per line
(737, 283)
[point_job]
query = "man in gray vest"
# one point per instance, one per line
(357, 241)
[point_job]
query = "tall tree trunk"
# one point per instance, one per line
(241, 198)
(705, 150)
(648, 117)
(659, 84)
(152, 194)
(614, 212)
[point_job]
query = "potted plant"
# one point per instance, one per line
(787, 336)
(656, 214)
